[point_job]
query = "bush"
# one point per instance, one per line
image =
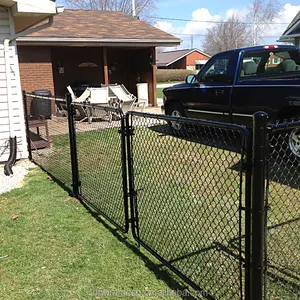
(165, 75)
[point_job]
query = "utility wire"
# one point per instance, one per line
(216, 22)
(200, 35)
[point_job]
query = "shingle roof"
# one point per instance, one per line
(294, 21)
(166, 58)
(101, 25)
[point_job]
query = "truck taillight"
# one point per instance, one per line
(271, 47)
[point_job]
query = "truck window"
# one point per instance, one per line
(272, 62)
(215, 71)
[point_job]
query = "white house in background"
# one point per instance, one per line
(292, 32)
(16, 17)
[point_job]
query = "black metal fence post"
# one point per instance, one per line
(27, 125)
(248, 194)
(258, 205)
(73, 148)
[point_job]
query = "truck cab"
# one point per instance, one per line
(235, 84)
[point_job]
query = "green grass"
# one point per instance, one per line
(57, 250)
(159, 92)
(188, 198)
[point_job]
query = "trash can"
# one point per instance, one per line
(40, 106)
(142, 93)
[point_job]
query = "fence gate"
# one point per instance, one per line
(100, 162)
(188, 199)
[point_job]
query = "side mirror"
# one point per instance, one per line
(190, 79)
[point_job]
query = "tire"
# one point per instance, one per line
(294, 145)
(175, 110)
(286, 145)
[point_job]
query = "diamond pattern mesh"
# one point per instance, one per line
(100, 164)
(283, 215)
(188, 197)
(50, 145)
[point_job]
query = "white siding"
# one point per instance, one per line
(15, 114)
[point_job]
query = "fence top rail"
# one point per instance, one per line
(44, 97)
(214, 124)
(283, 126)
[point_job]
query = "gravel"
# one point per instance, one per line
(20, 169)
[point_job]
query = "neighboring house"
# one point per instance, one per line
(15, 17)
(292, 32)
(90, 48)
(190, 59)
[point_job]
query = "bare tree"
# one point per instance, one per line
(261, 14)
(141, 6)
(232, 33)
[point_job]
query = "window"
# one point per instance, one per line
(198, 66)
(270, 63)
(87, 65)
(276, 61)
(216, 71)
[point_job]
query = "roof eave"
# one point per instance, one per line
(38, 41)
(182, 56)
(284, 38)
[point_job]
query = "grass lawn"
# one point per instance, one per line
(57, 250)
(188, 199)
(159, 92)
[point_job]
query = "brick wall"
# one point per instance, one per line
(35, 68)
(36, 72)
(190, 61)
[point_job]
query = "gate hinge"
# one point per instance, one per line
(128, 131)
(134, 193)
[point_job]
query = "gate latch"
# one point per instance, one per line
(128, 131)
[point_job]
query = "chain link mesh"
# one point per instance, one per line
(100, 162)
(49, 139)
(188, 200)
(190, 186)
(283, 214)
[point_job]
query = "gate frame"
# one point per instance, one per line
(247, 138)
(75, 171)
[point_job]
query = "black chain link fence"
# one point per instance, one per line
(100, 143)
(48, 136)
(189, 199)
(283, 213)
(190, 189)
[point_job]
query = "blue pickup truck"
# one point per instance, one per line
(235, 84)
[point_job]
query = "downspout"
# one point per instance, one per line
(12, 137)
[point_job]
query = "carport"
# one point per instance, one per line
(90, 48)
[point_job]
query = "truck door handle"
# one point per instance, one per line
(219, 92)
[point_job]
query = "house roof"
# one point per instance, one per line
(290, 29)
(167, 58)
(101, 28)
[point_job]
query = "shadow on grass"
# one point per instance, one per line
(159, 273)
(225, 139)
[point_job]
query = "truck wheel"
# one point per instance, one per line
(175, 110)
(294, 144)
(286, 145)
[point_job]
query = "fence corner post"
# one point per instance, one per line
(258, 206)
(73, 148)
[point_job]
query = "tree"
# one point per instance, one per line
(232, 33)
(261, 14)
(141, 6)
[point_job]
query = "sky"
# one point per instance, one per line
(192, 32)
